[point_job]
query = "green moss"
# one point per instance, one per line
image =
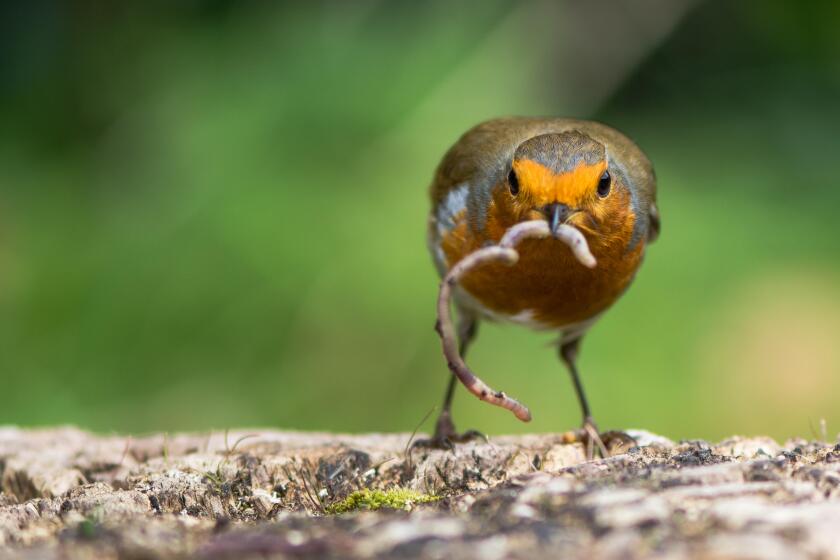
(395, 498)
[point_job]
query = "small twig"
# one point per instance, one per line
(408, 448)
(503, 252)
(232, 450)
(229, 451)
(823, 432)
(317, 504)
(125, 450)
(813, 430)
(166, 448)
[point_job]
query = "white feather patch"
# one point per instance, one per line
(526, 319)
(453, 204)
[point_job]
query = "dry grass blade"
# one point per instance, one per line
(408, 447)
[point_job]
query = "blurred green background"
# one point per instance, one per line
(212, 213)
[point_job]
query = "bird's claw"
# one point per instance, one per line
(445, 436)
(448, 442)
(604, 444)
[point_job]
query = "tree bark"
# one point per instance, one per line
(70, 493)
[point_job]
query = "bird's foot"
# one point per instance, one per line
(445, 436)
(604, 444)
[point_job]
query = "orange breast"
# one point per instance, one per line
(548, 284)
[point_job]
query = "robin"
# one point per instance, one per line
(567, 172)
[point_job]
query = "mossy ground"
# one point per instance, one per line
(394, 498)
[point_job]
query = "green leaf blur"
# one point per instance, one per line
(213, 213)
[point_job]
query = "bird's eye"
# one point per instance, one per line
(604, 184)
(513, 182)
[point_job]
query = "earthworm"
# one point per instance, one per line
(506, 253)
(572, 237)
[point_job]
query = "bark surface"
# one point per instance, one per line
(72, 494)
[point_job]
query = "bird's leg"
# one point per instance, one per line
(588, 434)
(445, 434)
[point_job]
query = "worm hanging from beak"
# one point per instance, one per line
(504, 252)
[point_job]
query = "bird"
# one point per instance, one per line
(566, 171)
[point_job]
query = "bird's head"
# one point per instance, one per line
(565, 178)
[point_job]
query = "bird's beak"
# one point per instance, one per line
(556, 214)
